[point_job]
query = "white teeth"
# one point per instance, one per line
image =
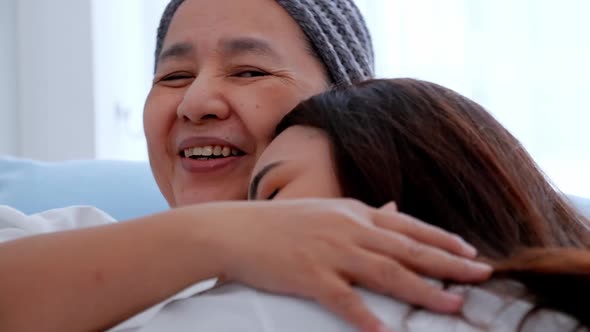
(226, 151)
(211, 150)
(207, 151)
(217, 151)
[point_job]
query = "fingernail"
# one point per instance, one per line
(469, 250)
(481, 267)
(450, 302)
(390, 207)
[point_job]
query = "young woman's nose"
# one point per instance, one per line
(203, 101)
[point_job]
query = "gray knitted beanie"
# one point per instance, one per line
(335, 29)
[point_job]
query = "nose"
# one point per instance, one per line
(203, 101)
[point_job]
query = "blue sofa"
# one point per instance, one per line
(121, 188)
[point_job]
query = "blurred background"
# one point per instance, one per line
(75, 73)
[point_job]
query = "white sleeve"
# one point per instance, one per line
(15, 224)
(496, 306)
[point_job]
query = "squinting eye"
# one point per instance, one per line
(251, 74)
(274, 193)
(176, 77)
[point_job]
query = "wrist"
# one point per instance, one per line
(203, 229)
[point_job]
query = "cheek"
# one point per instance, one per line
(158, 117)
(312, 186)
(325, 172)
(261, 108)
(334, 187)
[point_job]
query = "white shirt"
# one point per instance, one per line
(495, 306)
(14, 225)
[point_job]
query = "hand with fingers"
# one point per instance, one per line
(319, 248)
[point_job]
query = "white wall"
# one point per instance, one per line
(124, 34)
(525, 61)
(8, 78)
(55, 79)
(118, 80)
(75, 74)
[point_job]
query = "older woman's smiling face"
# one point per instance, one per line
(228, 71)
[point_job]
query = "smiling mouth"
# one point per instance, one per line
(210, 152)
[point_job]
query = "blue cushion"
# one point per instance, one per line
(123, 189)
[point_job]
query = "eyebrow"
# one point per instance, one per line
(178, 50)
(247, 45)
(253, 192)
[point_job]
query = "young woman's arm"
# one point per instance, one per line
(91, 279)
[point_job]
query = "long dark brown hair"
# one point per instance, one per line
(445, 160)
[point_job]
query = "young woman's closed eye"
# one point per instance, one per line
(264, 184)
(297, 164)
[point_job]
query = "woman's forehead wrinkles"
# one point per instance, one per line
(232, 47)
(177, 50)
(229, 47)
